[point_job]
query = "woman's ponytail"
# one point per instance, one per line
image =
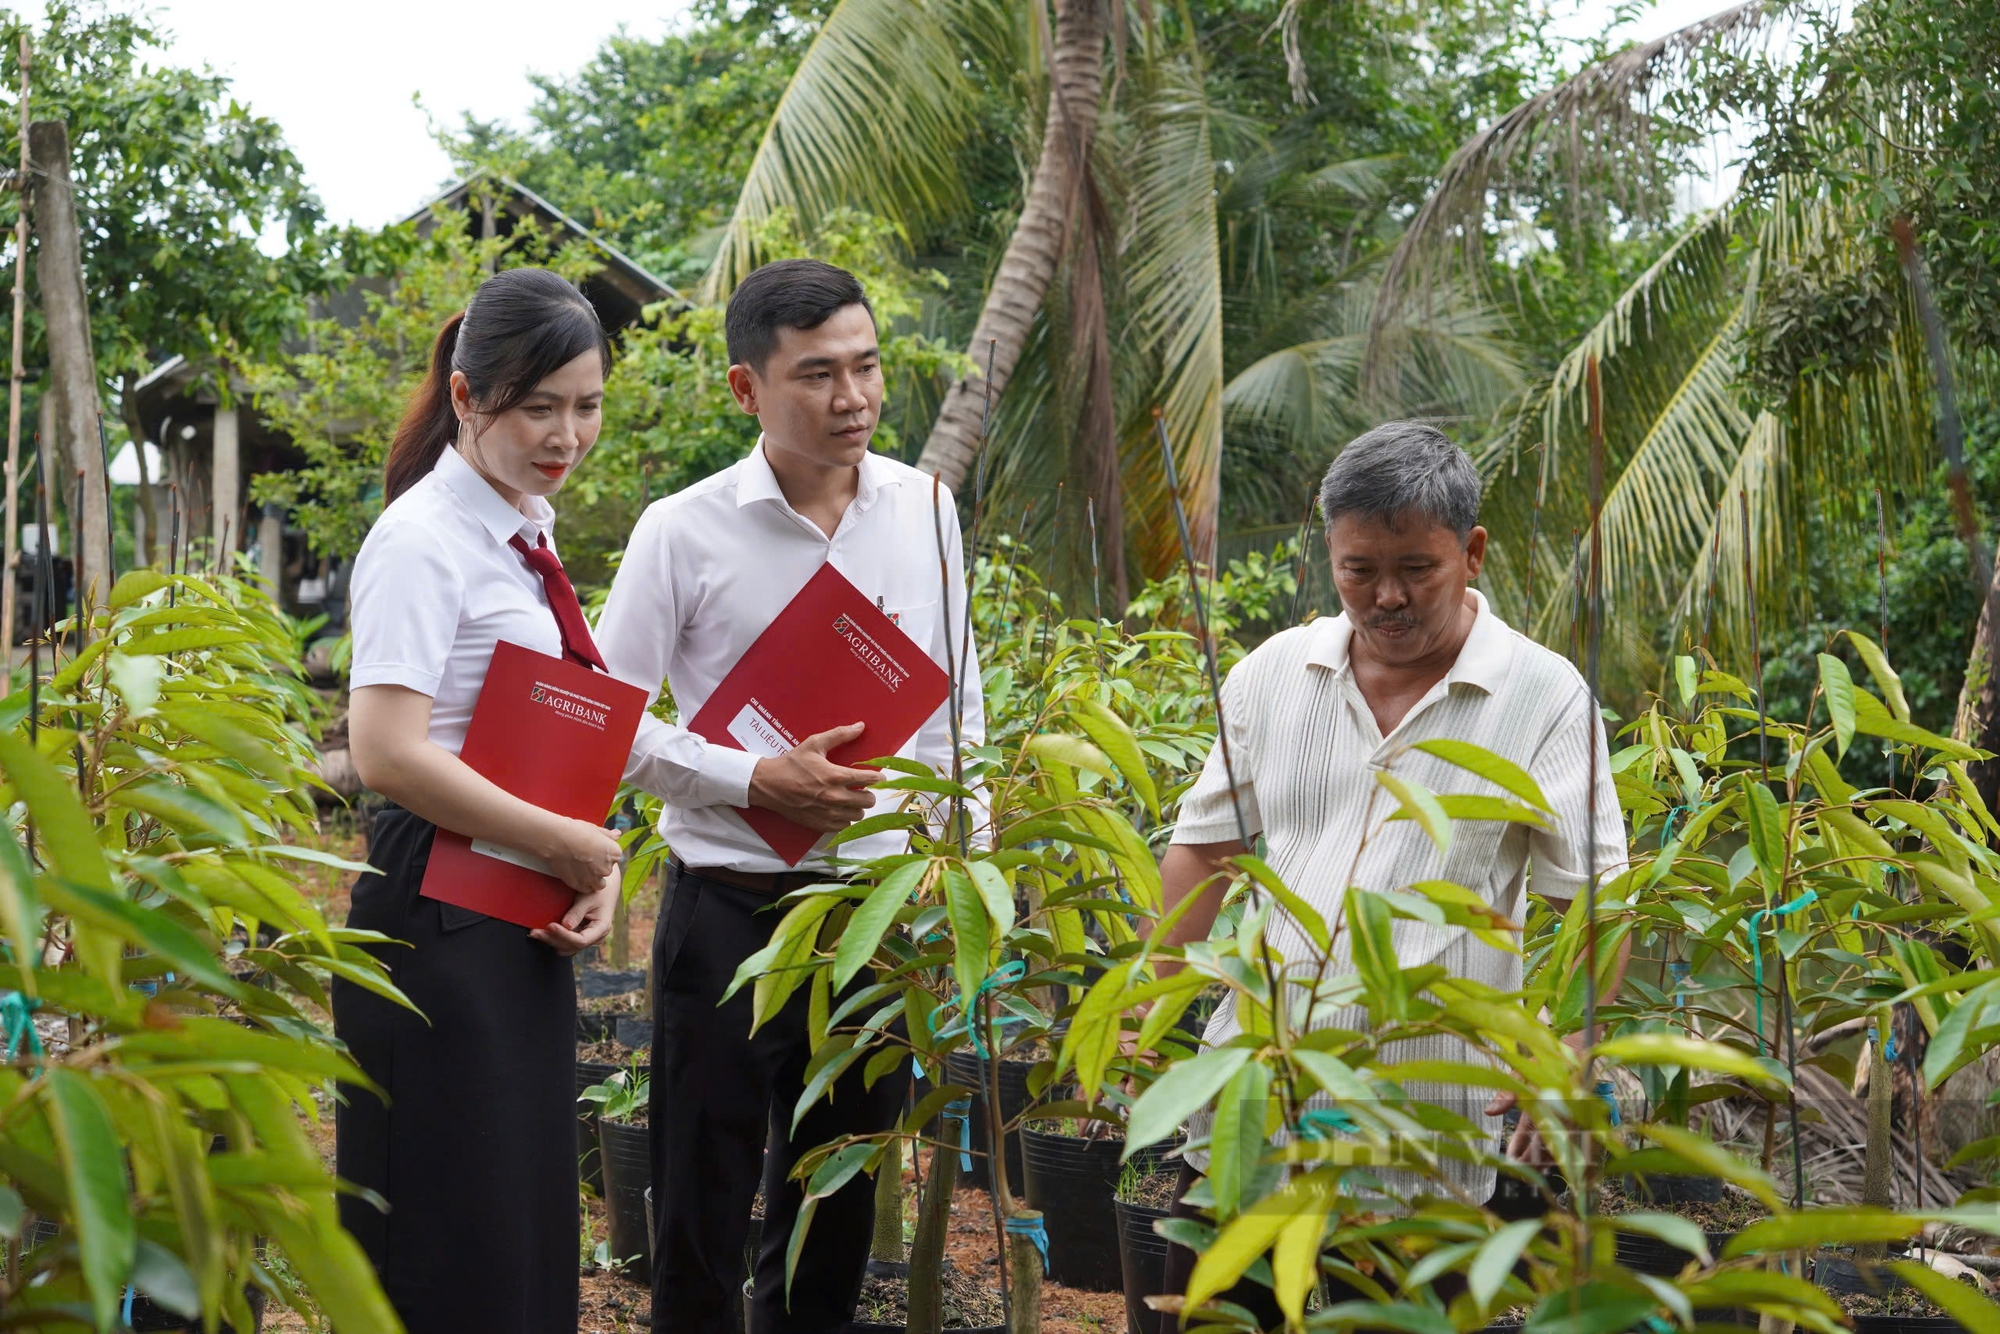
(524, 325)
(429, 423)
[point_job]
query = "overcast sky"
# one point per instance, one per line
(358, 85)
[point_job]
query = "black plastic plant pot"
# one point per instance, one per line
(1643, 1253)
(634, 1030)
(1659, 1188)
(589, 1163)
(628, 1170)
(598, 1025)
(869, 1327)
(1906, 1324)
(1071, 1181)
(1839, 1274)
(962, 1067)
(149, 1318)
(1142, 1261)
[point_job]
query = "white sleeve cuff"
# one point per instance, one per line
(725, 776)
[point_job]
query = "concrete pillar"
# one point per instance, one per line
(226, 486)
(271, 550)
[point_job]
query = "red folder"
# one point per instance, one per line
(555, 735)
(831, 658)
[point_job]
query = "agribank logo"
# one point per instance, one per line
(578, 708)
(872, 655)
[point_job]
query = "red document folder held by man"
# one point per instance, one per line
(831, 658)
(556, 735)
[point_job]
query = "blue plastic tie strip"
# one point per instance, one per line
(999, 977)
(1889, 1051)
(1326, 1121)
(1680, 969)
(1757, 953)
(18, 1023)
(961, 1112)
(1609, 1092)
(1030, 1226)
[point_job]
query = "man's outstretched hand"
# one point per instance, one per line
(807, 788)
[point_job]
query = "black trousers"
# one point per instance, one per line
(721, 1117)
(1255, 1297)
(475, 1148)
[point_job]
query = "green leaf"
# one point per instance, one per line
(182, 810)
(1975, 1312)
(1503, 773)
(1885, 676)
(153, 931)
(1418, 804)
(1670, 1228)
(204, 725)
(1236, 1140)
(871, 920)
(1765, 825)
(1295, 1257)
(1115, 739)
(130, 588)
(183, 641)
(995, 892)
(93, 1165)
(1307, 916)
(1497, 1258)
(1240, 1244)
(1061, 748)
(1871, 719)
(163, 1276)
(1706, 1157)
(1687, 678)
(62, 825)
(1372, 939)
(1677, 1049)
(840, 1167)
(1175, 1095)
(1831, 1226)
(971, 933)
(876, 824)
(1839, 688)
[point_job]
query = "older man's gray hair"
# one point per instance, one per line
(1401, 469)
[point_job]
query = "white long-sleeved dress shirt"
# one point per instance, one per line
(1305, 751)
(710, 567)
(436, 587)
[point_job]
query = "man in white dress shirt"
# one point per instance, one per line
(707, 570)
(1316, 712)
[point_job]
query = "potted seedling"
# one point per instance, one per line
(1142, 1199)
(626, 1147)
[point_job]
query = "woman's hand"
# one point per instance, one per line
(581, 854)
(588, 919)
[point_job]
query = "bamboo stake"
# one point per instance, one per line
(16, 375)
(1590, 676)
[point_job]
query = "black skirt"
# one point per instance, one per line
(475, 1149)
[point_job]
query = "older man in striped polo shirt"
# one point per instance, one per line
(1315, 712)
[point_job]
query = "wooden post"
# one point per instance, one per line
(15, 375)
(72, 361)
(225, 481)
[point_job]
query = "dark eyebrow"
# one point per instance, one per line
(815, 363)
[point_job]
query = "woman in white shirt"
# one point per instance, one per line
(473, 1150)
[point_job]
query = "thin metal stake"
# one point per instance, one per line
(1593, 640)
(1299, 571)
(1096, 600)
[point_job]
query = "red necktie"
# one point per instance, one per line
(577, 644)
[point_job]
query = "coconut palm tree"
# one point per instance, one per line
(1767, 369)
(1109, 297)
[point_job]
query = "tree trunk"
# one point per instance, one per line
(1024, 1263)
(72, 362)
(926, 1287)
(1876, 1180)
(1979, 700)
(1040, 236)
(887, 1244)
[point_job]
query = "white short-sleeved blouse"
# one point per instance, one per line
(436, 587)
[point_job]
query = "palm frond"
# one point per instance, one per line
(1590, 124)
(871, 119)
(1171, 269)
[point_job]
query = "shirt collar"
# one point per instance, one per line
(756, 481)
(1482, 660)
(489, 506)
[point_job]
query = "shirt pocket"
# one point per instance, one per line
(917, 619)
